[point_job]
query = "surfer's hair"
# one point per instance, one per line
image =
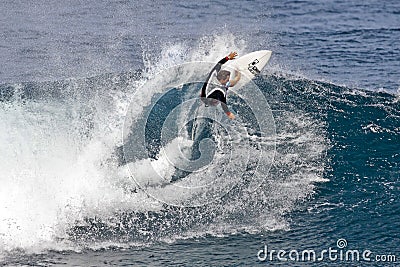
(223, 74)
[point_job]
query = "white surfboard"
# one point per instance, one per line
(249, 65)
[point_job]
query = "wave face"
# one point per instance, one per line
(65, 183)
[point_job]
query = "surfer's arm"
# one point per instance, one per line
(236, 79)
(220, 63)
(226, 109)
(231, 56)
(227, 112)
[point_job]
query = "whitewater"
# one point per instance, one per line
(66, 161)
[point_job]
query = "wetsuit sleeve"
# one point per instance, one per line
(215, 69)
(222, 61)
(223, 105)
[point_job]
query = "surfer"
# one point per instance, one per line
(213, 93)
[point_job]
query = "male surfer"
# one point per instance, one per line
(212, 93)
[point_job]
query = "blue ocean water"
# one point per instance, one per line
(78, 79)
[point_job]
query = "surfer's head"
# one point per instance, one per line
(223, 76)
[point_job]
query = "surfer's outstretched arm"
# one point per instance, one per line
(224, 106)
(227, 112)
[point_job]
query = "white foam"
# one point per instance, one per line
(58, 165)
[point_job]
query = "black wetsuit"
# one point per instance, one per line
(219, 92)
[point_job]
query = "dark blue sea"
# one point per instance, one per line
(108, 157)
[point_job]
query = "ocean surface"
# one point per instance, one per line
(108, 160)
